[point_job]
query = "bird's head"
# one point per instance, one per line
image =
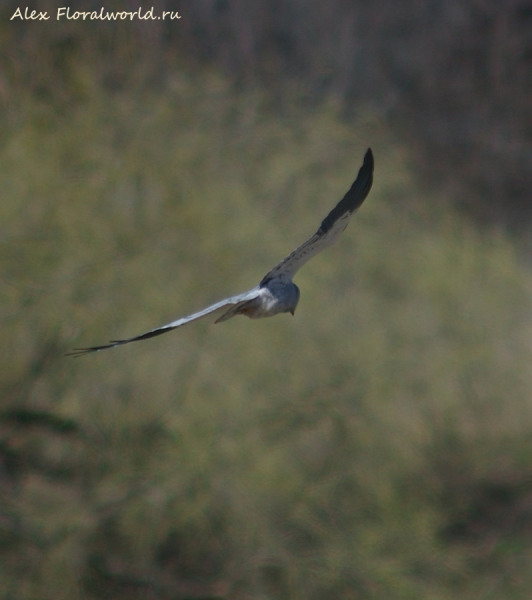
(296, 294)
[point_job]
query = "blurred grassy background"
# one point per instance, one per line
(376, 445)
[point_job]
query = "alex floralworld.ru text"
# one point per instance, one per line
(104, 15)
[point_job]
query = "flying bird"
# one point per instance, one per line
(276, 293)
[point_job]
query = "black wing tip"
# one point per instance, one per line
(113, 343)
(362, 184)
(368, 167)
(365, 173)
(356, 195)
(77, 352)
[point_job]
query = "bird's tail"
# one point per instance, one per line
(226, 316)
(237, 309)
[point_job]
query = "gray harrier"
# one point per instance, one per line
(276, 293)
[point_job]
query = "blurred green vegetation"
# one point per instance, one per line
(376, 445)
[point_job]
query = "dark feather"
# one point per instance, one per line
(81, 351)
(354, 197)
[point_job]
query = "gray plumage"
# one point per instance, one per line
(276, 293)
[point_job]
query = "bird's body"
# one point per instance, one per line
(271, 299)
(276, 293)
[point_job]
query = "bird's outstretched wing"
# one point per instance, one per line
(233, 301)
(331, 227)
